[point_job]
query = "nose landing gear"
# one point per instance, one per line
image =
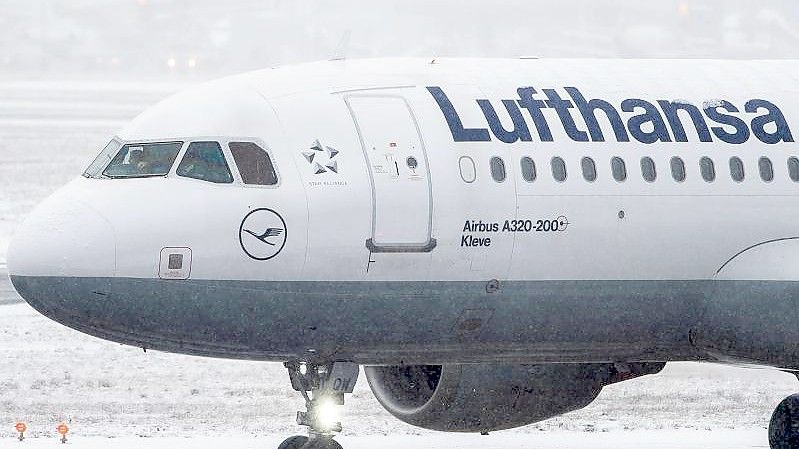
(783, 429)
(327, 384)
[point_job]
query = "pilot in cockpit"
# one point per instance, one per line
(136, 160)
(193, 166)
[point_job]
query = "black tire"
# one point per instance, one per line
(295, 442)
(783, 429)
(326, 443)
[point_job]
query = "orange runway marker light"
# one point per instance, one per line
(21, 428)
(63, 430)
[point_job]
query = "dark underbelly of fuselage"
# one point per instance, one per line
(413, 322)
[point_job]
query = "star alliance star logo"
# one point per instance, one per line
(321, 158)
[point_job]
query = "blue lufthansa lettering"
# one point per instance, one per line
(459, 133)
(562, 107)
(671, 110)
(741, 133)
(520, 130)
(534, 107)
(782, 132)
(647, 124)
(650, 115)
(588, 110)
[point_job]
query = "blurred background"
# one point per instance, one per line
(197, 39)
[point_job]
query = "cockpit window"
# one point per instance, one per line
(143, 160)
(95, 169)
(254, 164)
(205, 161)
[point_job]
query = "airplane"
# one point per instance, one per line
(492, 240)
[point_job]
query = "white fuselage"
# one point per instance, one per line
(406, 174)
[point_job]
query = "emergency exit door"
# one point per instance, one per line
(402, 204)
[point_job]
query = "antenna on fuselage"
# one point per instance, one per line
(343, 47)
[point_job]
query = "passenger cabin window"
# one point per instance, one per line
(558, 169)
(143, 160)
(677, 169)
(766, 169)
(468, 170)
(497, 169)
(589, 169)
(736, 169)
(648, 169)
(205, 161)
(528, 169)
(793, 168)
(619, 169)
(707, 168)
(254, 164)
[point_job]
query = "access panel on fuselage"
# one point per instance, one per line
(395, 156)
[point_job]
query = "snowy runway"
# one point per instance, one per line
(545, 440)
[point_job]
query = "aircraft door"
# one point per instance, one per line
(398, 168)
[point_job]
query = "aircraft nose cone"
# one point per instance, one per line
(63, 239)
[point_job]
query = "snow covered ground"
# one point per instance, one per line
(120, 397)
(563, 440)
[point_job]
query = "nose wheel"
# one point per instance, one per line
(323, 387)
(303, 442)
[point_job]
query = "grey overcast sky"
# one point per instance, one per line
(122, 39)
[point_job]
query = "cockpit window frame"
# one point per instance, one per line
(224, 143)
(142, 143)
(225, 158)
(235, 167)
(121, 143)
(98, 166)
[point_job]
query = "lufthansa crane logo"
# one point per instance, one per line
(262, 234)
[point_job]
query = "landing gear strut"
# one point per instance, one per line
(323, 386)
(783, 430)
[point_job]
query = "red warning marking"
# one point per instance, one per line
(21, 427)
(62, 429)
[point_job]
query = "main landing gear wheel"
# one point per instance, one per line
(327, 384)
(783, 430)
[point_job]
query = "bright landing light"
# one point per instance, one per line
(328, 413)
